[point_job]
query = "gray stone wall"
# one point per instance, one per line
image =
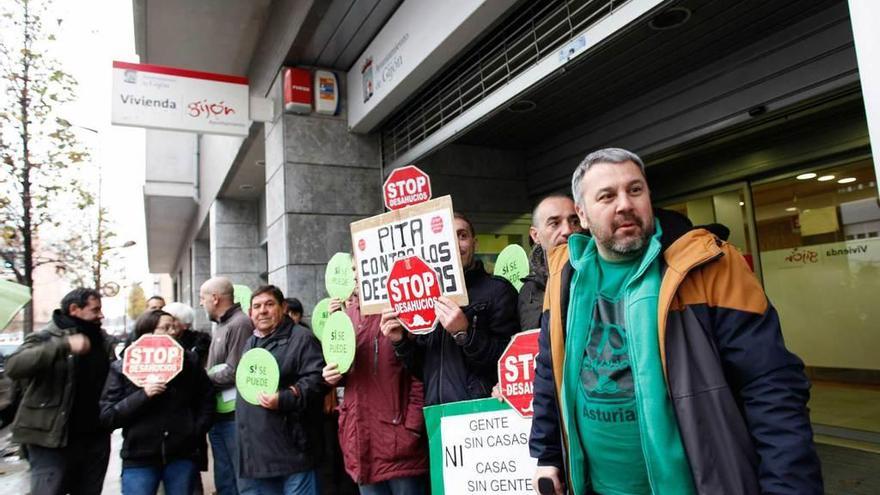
(319, 179)
(234, 245)
(200, 253)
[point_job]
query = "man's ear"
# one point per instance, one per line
(582, 216)
(533, 233)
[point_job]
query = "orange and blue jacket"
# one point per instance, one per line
(740, 397)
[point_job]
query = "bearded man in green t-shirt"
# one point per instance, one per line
(662, 367)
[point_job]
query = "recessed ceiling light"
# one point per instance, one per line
(846, 180)
(670, 19)
(260, 163)
(246, 187)
(522, 106)
(742, 203)
(808, 175)
(791, 208)
(825, 178)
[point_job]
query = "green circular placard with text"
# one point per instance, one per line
(257, 372)
(319, 317)
(225, 400)
(339, 341)
(513, 265)
(339, 277)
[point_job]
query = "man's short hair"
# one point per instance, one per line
(147, 322)
(466, 220)
(79, 296)
(607, 155)
(294, 305)
(219, 286)
(559, 195)
(181, 312)
(269, 289)
(158, 298)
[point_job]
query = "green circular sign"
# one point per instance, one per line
(339, 277)
(226, 398)
(513, 265)
(257, 372)
(339, 341)
(319, 317)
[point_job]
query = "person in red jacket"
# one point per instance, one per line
(381, 426)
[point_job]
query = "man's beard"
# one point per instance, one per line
(629, 247)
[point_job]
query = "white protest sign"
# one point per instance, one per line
(426, 230)
(480, 447)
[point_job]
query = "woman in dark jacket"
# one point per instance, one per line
(162, 424)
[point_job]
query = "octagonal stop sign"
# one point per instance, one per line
(152, 359)
(406, 186)
(413, 289)
(516, 371)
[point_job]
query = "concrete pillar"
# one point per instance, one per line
(319, 178)
(235, 249)
(200, 254)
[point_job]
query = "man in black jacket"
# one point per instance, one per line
(459, 360)
(63, 368)
(279, 440)
(553, 220)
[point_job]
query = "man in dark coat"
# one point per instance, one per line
(62, 370)
(459, 360)
(553, 220)
(279, 439)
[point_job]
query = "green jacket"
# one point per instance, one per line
(45, 367)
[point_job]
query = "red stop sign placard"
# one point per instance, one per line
(152, 359)
(406, 186)
(413, 289)
(516, 371)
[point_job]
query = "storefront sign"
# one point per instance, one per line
(160, 97)
(257, 373)
(516, 371)
(419, 39)
(412, 291)
(152, 359)
(512, 265)
(339, 277)
(406, 186)
(339, 343)
(425, 230)
(479, 446)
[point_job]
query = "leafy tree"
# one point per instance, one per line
(137, 301)
(41, 190)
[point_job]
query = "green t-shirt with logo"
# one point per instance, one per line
(607, 423)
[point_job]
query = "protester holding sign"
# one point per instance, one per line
(163, 424)
(279, 439)
(217, 297)
(381, 427)
(458, 360)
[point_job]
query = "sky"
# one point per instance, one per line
(89, 39)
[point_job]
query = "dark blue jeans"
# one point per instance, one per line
(176, 477)
(222, 437)
(295, 484)
(411, 485)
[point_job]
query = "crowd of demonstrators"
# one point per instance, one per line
(61, 370)
(278, 440)
(667, 326)
(459, 360)
(661, 369)
(381, 426)
(163, 424)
